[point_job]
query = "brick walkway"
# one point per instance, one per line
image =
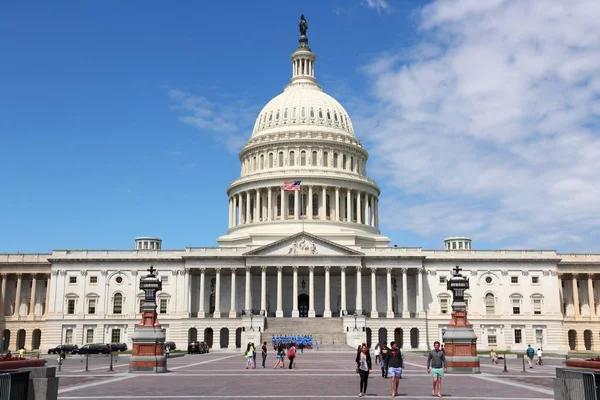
(318, 375)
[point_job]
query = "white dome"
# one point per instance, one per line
(303, 107)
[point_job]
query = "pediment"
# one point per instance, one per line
(301, 245)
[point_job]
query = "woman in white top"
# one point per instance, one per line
(377, 354)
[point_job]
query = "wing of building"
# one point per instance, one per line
(302, 255)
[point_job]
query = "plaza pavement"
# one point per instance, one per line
(319, 375)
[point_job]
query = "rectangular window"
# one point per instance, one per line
(92, 306)
(115, 336)
(516, 306)
(514, 279)
(71, 306)
(442, 279)
(118, 304)
(539, 336)
(163, 306)
(535, 280)
(490, 304)
(89, 335)
(93, 280)
(537, 306)
(492, 336)
(518, 336)
(72, 280)
(164, 279)
(444, 306)
(69, 336)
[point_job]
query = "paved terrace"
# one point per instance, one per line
(319, 375)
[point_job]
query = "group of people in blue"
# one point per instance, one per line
(303, 341)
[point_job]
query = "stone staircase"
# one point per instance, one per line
(329, 332)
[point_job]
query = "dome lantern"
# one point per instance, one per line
(303, 59)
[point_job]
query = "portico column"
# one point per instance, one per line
(295, 313)
(47, 299)
(337, 203)
(420, 311)
(358, 208)
(405, 313)
(390, 309)
(279, 311)
(376, 213)
(311, 292)
(33, 291)
(3, 294)
(366, 209)
(359, 290)
(247, 207)
(201, 312)
(310, 203)
(348, 206)
(343, 290)
(263, 289)
(591, 301)
(232, 308)
(18, 294)
(374, 313)
(247, 298)
(270, 204)
(217, 313)
(324, 201)
(327, 308)
(576, 296)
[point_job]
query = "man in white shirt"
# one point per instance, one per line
(539, 355)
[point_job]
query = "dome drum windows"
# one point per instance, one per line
(292, 160)
(313, 160)
(303, 158)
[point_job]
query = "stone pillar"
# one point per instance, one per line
(420, 297)
(343, 289)
(337, 203)
(247, 207)
(295, 313)
(201, 312)
(297, 204)
(311, 292)
(247, 297)
(270, 204)
(576, 296)
(376, 212)
(263, 289)
(327, 308)
(3, 293)
(18, 295)
(591, 300)
(33, 292)
(309, 207)
(359, 290)
(390, 309)
(232, 308)
(239, 209)
(374, 313)
(366, 210)
(358, 207)
(405, 313)
(217, 313)
(279, 311)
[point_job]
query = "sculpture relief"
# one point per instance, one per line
(303, 247)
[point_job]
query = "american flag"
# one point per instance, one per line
(292, 185)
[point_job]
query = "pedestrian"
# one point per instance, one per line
(317, 344)
(436, 366)
(394, 363)
(377, 351)
(22, 352)
(263, 350)
(539, 356)
(494, 357)
(291, 353)
(363, 367)
(250, 356)
(384, 350)
(167, 351)
(530, 353)
(280, 354)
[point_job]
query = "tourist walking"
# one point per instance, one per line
(436, 366)
(384, 351)
(395, 364)
(291, 353)
(530, 353)
(539, 356)
(263, 353)
(250, 356)
(280, 354)
(363, 367)
(494, 357)
(377, 354)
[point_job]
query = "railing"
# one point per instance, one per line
(14, 385)
(575, 384)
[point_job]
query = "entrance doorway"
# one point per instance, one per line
(303, 305)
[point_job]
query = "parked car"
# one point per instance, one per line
(171, 345)
(118, 347)
(96, 348)
(67, 348)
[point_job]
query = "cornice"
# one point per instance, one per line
(287, 143)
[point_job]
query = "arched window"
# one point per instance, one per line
(292, 160)
(303, 158)
(254, 164)
(344, 161)
(270, 160)
(315, 205)
(335, 160)
(515, 303)
(117, 303)
(537, 301)
(490, 304)
(291, 204)
(351, 163)
(313, 160)
(358, 162)
(262, 161)
(280, 157)
(325, 159)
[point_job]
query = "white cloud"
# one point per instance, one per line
(379, 5)
(491, 127)
(229, 122)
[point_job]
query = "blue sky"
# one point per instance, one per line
(477, 123)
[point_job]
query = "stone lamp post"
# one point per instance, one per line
(460, 341)
(148, 337)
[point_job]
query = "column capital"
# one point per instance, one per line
(83, 273)
(263, 269)
(343, 269)
(327, 268)
(422, 270)
(233, 271)
(279, 268)
(373, 270)
(295, 269)
(4, 275)
(404, 270)
(590, 275)
(134, 272)
(388, 270)
(311, 268)
(54, 272)
(202, 270)
(248, 268)
(359, 268)
(20, 275)
(217, 270)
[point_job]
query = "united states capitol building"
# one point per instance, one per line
(305, 261)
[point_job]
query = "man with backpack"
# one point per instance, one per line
(530, 353)
(291, 353)
(394, 363)
(383, 352)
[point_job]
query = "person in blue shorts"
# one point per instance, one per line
(394, 363)
(436, 366)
